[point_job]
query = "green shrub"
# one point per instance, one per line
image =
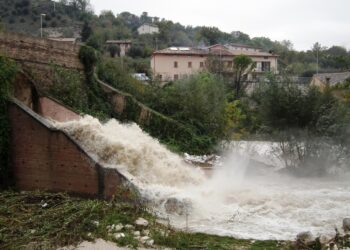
(88, 57)
(69, 88)
(310, 126)
(8, 71)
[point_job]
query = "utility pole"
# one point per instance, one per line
(54, 6)
(41, 24)
(317, 61)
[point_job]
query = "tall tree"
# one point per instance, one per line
(242, 66)
(86, 32)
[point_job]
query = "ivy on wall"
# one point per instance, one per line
(8, 70)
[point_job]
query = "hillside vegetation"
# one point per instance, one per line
(68, 17)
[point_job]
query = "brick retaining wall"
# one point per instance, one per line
(48, 159)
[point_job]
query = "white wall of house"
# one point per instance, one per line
(147, 29)
(164, 66)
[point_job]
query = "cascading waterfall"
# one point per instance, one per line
(239, 199)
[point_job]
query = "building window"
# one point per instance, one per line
(265, 66)
(176, 77)
(175, 64)
(229, 64)
(201, 64)
(190, 64)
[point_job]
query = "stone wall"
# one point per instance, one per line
(36, 55)
(48, 159)
(50, 108)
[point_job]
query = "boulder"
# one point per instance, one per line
(117, 236)
(144, 239)
(129, 227)
(145, 232)
(305, 238)
(176, 206)
(118, 227)
(346, 225)
(141, 222)
(137, 233)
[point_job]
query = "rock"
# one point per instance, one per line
(96, 223)
(175, 206)
(33, 231)
(305, 238)
(141, 222)
(333, 246)
(150, 242)
(118, 227)
(324, 240)
(145, 232)
(144, 239)
(129, 227)
(117, 236)
(346, 225)
(137, 233)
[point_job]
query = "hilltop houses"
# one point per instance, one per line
(329, 79)
(124, 45)
(148, 28)
(178, 62)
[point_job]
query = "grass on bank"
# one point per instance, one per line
(39, 220)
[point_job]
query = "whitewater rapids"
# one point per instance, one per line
(239, 199)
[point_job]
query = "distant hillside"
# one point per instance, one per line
(23, 16)
(66, 18)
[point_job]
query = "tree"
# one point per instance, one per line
(211, 35)
(311, 127)
(86, 32)
(114, 50)
(81, 5)
(135, 52)
(242, 66)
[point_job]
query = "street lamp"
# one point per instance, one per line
(41, 24)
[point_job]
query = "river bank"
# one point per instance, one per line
(38, 220)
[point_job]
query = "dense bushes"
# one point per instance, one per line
(195, 106)
(198, 101)
(7, 73)
(118, 75)
(81, 92)
(310, 126)
(69, 88)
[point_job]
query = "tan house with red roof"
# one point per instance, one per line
(178, 62)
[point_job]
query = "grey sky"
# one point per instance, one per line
(304, 22)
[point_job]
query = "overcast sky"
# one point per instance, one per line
(304, 22)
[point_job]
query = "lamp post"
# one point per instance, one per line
(41, 24)
(317, 61)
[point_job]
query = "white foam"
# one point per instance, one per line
(231, 202)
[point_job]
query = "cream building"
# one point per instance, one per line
(148, 28)
(329, 79)
(178, 62)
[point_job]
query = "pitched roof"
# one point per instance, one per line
(332, 78)
(64, 39)
(216, 49)
(149, 24)
(118, 41)
(182, 51)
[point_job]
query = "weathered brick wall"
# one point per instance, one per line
(24, 48)
(36, 56)
(49, 108)
(47, 159)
